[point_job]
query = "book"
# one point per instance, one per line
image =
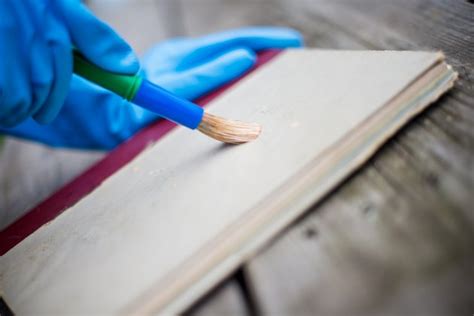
(187, 211)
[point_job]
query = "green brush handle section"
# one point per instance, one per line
(123, 85)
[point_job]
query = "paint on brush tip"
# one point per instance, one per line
(228, 131)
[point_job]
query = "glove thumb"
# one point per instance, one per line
(97, 41)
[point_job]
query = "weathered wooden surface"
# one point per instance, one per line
(397, 237)
(141, 208)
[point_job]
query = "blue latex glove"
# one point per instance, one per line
(36, 39)
(190, 67)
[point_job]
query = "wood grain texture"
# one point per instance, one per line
(396, 238)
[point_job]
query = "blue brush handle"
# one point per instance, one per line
(168, 105)
(141, 92)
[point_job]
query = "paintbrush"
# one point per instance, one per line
(167, 105)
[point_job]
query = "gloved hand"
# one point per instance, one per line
(36, 39)
(190, 67)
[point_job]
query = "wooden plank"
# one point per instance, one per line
(184, 187)
(394, 239)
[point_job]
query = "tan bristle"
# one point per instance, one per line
(228, 131)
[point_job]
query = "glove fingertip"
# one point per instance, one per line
(125, 62)
(247, 54)
(117, 57)
(284, 36)
(239, 60)
(218, 72)
(297, 40)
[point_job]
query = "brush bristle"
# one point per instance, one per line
(228, 131)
